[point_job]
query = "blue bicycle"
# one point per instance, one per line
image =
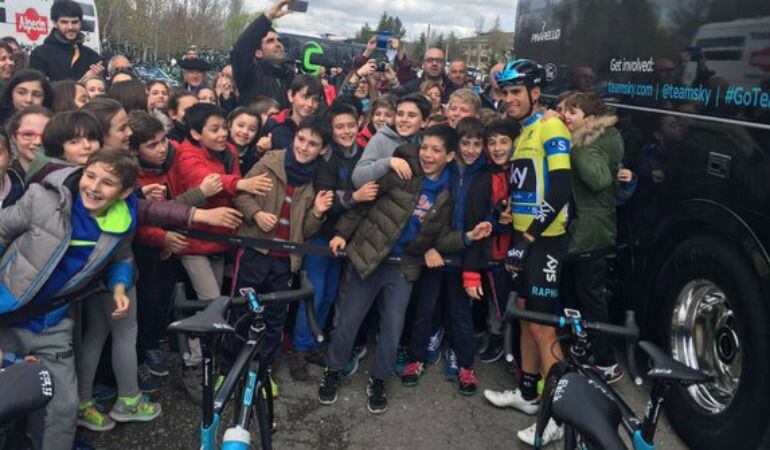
(574, 395)
(248, 378)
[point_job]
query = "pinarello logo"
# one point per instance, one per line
(31, 24)
(761, 59)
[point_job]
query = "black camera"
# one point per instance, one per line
(381, 66)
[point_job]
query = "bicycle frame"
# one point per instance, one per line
(246, 364)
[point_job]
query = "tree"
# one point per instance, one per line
(364, 34)
(420, 47)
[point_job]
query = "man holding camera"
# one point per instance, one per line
(259, 60)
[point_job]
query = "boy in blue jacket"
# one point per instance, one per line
(56, 240)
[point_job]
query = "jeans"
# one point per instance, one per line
(324, 272)
(389, 281)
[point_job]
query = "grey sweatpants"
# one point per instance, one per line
(97, 312)
(54, 348)
(352, 307)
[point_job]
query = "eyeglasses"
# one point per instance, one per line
(28, 135)
(434, 60)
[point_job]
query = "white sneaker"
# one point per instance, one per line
(551, 433)
(511, 399)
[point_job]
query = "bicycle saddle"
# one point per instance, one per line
(664, 367)
(582, 404)
(210, 320)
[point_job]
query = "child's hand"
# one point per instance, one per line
(366, 193)
(154, 191)
(122, 302)
(211, 185)
(480, 231)
(475, 292)
(433, 259)
(175, 242)
(401, 167)
(336, 244)
(550, 114)
(506, 217)
(257, 185)
(323, 202)
(265, 221)
(625, 175)
(265, 143)
(219, 217)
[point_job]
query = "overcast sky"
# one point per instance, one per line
(345, 17)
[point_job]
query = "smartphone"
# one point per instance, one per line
(382, 40)
(297, 6)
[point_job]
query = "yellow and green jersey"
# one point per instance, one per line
(541, 148)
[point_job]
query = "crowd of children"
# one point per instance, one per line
(91, 196)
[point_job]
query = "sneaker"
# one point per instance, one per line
(352, 366)
(316, 356)
(511, 399)
(155, 360)
(412, 373)
(147, 383)
(401, 360)
(551, 433)
(378, 401)
(494, 349)
(327, 391)
(137, 409)
(298, 367)
(610, 374)
(89, 417)
(433, 354)
(468, 382)
(451, 370)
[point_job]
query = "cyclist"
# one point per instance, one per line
(540, 192)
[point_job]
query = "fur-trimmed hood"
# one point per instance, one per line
(591, 132)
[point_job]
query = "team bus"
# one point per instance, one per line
(29, 22)
(690, 83)
(312, 52)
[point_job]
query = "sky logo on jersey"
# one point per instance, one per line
(550, 268)
(556, 146)
(31, 24)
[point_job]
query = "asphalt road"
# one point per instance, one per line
(432, 415)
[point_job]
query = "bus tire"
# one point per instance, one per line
(693, 284)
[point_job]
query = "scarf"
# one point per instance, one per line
(296, 173)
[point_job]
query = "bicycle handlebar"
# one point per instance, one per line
(629, 331)
(304, 292)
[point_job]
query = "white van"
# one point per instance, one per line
(28, 21)
(738, 50)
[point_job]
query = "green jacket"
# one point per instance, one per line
(597, 151)
(371, 229)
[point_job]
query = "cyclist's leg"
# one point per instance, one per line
(543, 275)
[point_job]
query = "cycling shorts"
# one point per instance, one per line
(538, 283)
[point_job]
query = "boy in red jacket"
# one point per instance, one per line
(205, 152)
(153, 246)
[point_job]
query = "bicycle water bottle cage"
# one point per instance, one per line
(582, 404)
(210, 320)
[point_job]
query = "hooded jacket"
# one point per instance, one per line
(375, 161)
(193, 164)
(303, 224)
(282, 129)
(35, 233)
(54, 58)
(335, 169)
(597, 152)
(154, 236)
(254, 77)
(373, 229)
